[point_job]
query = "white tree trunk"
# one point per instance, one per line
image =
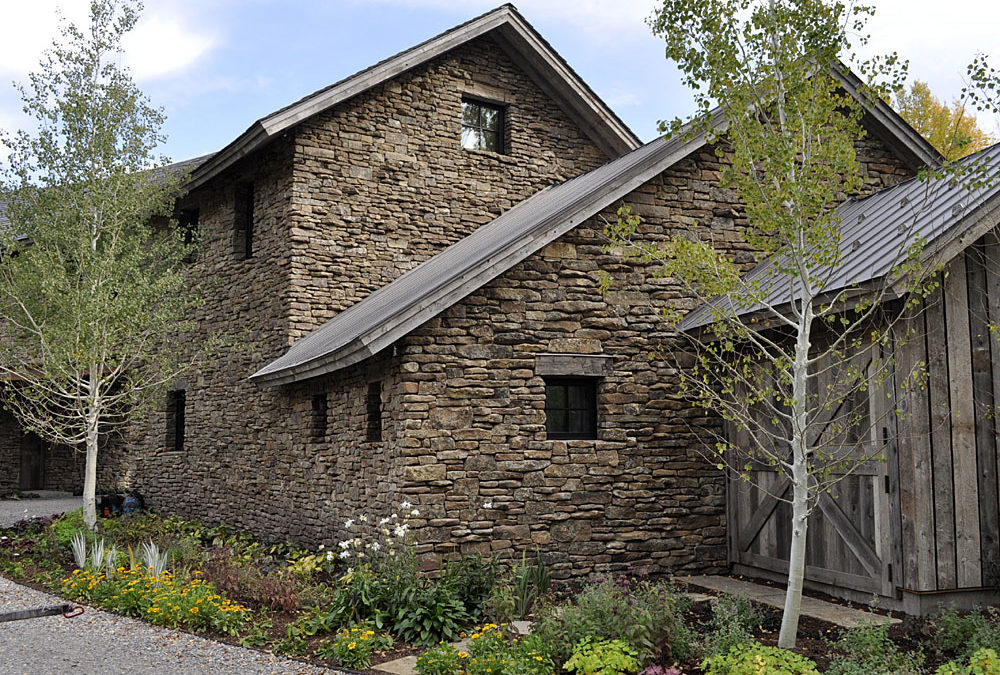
(796, 567)
(90, 471)
(800, 480)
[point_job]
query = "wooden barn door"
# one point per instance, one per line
(850, 541)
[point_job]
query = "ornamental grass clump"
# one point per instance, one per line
(160, 599)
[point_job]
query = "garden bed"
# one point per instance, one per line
(361, 601)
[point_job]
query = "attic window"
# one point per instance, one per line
(482, 126)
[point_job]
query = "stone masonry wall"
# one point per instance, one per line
(344, 204)
(382, 182)
(10, 452)
(478, 462)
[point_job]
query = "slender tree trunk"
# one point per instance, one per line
(90, 471)
(800, 481)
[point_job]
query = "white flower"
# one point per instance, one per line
(329, 556)
(400, 530)
(383, 521)
(414, 513)
(345, 554)
(361, 554)
(394, 516)
(375, 546)
(322, 546)
(345, 544)
(405, 505)
(363, 518)
(349, 523)
(487, 505)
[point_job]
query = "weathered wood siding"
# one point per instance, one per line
(947, 428)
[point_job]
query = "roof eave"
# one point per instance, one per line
(509, 29)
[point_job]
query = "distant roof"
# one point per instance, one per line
(425, 291)
(526, 47)
(177, 168)
(876, 231)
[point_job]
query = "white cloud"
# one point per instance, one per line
(163, 43)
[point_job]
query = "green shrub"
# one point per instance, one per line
(604, 657)
(867, 649)
(443, 659)
(353, 647)
(67, 525)
(733, 622)
(983, 662)
(756, 659)
(434, 613)
(471, 579)
(647, 615)
(963, 634)
(492, 653)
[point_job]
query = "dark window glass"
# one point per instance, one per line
(373, 406)
(319, 416)
(176, 402)
(571, 407)
(187, 222)
(243, 220)
(482, 126)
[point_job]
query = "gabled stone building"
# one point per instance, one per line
(406, 265)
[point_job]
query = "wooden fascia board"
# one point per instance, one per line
(449, 293)
(523, 45)
(250, 140)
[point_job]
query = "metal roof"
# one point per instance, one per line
(876, 232)
(420, 294)
(504, 25)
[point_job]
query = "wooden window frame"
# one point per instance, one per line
(501, 125)
(559, 426)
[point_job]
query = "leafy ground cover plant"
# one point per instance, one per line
(647, 615)
(964, 633)
(443, 659)
(983, 661)
(602, 657)
(733, 622)
(757, 659)
(354, 646)
(158, 598)
(867, 649)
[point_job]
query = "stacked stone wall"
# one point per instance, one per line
(382, 182)
(10, 452)
(345, 203)
(641, 496)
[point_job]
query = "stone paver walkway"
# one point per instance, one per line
(775, 597)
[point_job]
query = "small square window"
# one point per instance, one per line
(373, 409)
(482, 126)
(571, 407)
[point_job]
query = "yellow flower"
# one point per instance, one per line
(194, 610)
(352, 645)
(463, 655)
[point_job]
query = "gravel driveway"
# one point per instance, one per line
(50, 503)
(104, 644)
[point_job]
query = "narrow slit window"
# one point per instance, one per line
(176, 404)
(243, 221)
(482, 126)
(373, 405)
(319, 417)
(571, 408)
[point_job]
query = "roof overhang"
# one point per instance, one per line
(508, 29)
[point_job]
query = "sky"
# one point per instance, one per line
(217, 66)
